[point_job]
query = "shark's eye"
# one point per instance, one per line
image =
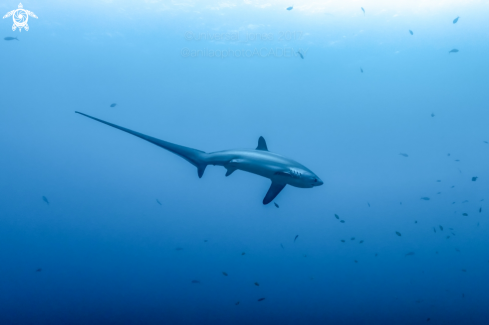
(315, 180)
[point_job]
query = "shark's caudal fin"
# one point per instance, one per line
(195, 157)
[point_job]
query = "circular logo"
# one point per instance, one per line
(20, 17)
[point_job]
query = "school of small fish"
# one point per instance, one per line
(336, 216)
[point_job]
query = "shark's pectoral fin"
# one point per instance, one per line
(273, 191)
(230, 171)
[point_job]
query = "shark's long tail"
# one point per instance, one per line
(193, 156)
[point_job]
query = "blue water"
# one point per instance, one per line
(103, 251)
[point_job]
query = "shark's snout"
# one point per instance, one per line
(318, 182)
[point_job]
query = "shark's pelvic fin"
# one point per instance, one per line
(262, 145)
(273, 191)
(232, 165)
(193, 156)
(230, 170)
(201, 170)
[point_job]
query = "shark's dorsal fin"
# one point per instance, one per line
(262, 145)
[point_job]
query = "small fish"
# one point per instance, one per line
(305, 255)
(353, 238)
(465, 201)
(342, 221)
(465, 214)
(463, 295)
(453, 51)
(457, 160)
(448, 155)
(39, 270)
(282, 246)
(224, 273)
(179, 249)
(474, 178)
(486, 142)
(158, 201)
(432, 115)
(404, 154)
(368, 204)
(448, 237)
(296, 238)
(276, 205)
(415, 221)
(261, 299)
(243, 253)
(409, 254)
(360, 242)
(458, 250)
(376, 254)
(363, 10)
(342, 240)
(438, 193)
(257, 284)
(452, 186)
(45, 199)
(464, 270)
(438, 180)
(337, 217)
(302, 56)
(205, 240)
(196, 281)
(434, 229)
(425, 198)
(290, 8)
(453, 234)
(361, 70)
(398, 233)
(480, 210)
(237, 303)
(428, 319)
(356, 261)
(455, 20)
(10, 38)
(411, 32)
(113, 105)
(441, 228)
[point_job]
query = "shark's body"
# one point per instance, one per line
(280, 170)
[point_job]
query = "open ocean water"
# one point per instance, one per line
(385, 102)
